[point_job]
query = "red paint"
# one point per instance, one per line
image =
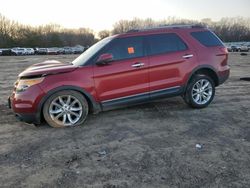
(120, 78)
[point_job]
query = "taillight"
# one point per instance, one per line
(224, 50)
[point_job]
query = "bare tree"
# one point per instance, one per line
(228, 29)
(103, 34)
(15, 34)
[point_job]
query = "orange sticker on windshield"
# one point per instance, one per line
(131, 50)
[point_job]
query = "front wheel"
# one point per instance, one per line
(65, 108)
(200, 91)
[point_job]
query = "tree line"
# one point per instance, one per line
(234, 29)
(14, 34)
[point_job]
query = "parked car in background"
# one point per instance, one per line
(229, 48)
(234, 48)
(243, 48)
(6, 52)
(30, 51)
(41, 51)
(18, 51)
(60, 50)
(122, 70)
(0, 51)
(67, 50)
(36, 50)
(78, 49)
(53, 51)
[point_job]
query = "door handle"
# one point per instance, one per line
(137, 65)
(187, 56)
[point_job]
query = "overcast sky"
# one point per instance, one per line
(102, 14)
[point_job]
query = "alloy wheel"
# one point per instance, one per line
(202, 91)
(65, 110)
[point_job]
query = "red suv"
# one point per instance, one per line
(122, 70)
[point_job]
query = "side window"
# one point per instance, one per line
(165, 43)
(207, 38)
(126, 48)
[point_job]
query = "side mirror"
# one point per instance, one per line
(104, 59)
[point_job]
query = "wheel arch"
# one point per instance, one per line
(206, 70)
(93, 105)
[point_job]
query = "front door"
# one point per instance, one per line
(125, 80)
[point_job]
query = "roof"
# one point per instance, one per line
(175, 26)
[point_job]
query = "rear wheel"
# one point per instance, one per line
(200, 91)
(65, 108)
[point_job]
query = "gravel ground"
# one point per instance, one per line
(150, 145)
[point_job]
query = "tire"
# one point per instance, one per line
(200, 91)
(65, 108)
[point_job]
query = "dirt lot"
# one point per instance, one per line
(151, 145)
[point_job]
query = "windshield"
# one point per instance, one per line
(85, 56)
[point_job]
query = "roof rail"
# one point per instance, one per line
(175, 26)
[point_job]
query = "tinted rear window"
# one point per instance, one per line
(207, 38)
(165, 43)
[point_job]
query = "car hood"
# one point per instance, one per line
(47, 68)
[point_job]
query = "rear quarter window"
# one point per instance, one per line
(207, 38)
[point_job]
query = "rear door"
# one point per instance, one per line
(125, 79)
(169, 60)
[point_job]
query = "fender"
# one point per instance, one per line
(96, 107)
(199, 68)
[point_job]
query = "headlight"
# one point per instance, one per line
(23, 85)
